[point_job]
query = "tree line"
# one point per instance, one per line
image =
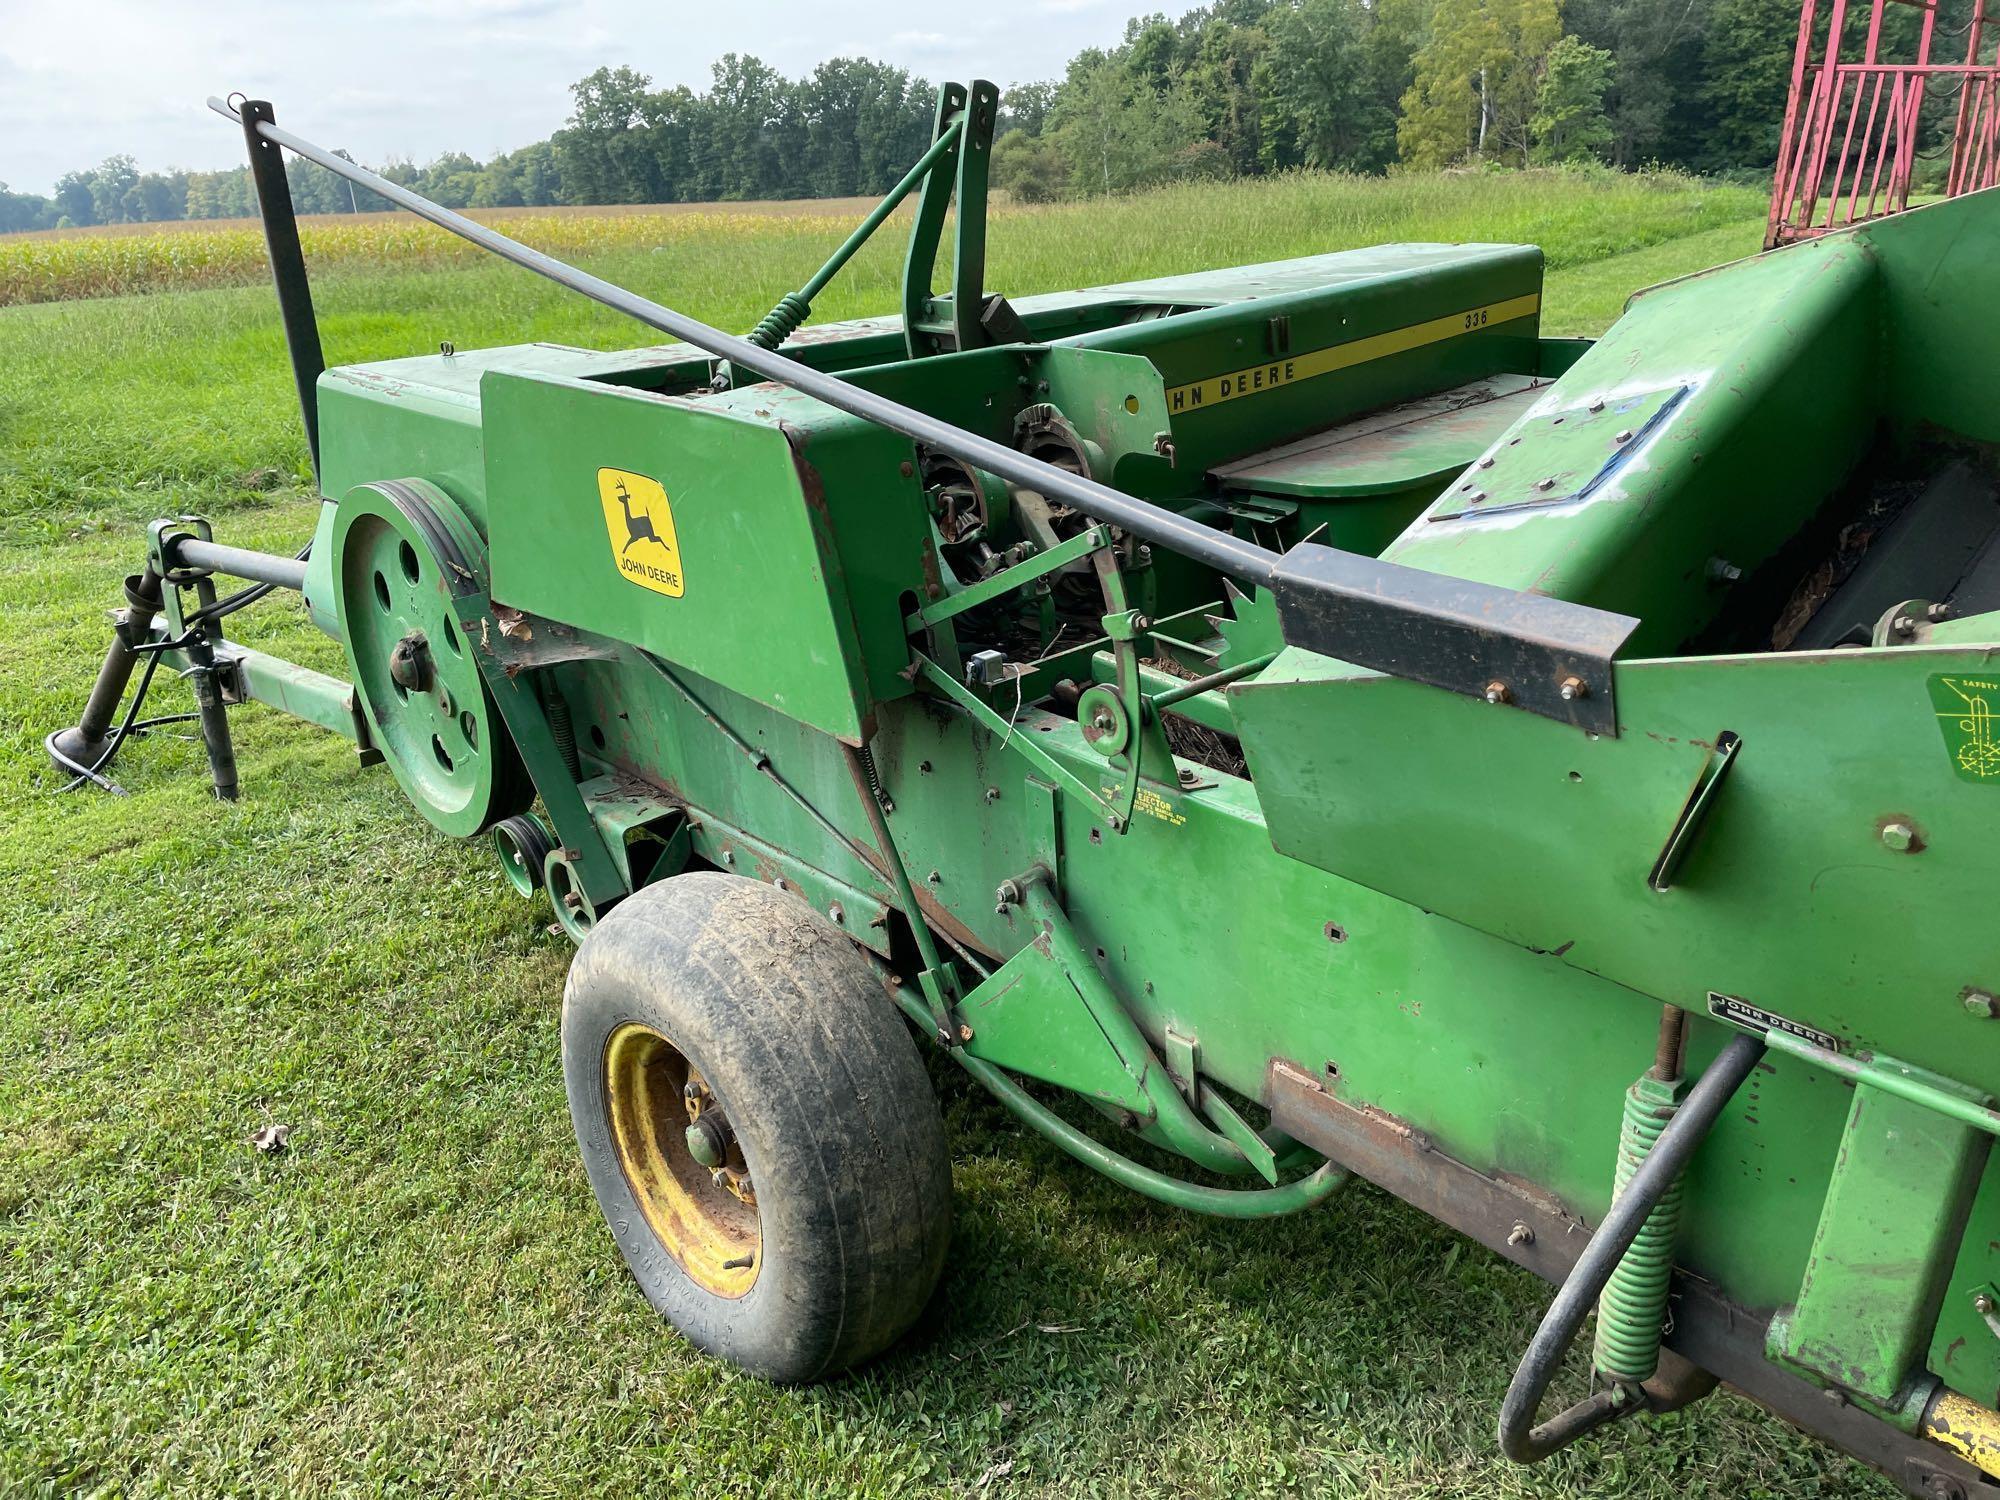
(1230, 88)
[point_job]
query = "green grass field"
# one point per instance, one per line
(419, 1297)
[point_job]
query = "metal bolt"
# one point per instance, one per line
(1574, 688)
(836, 913)
(964, 1032)
(1982, 1003)
(1546, 484)
(1596, 404)
(993, 794)
(1900, 837)
(1007, 894)
(1982, 1304)
(1937, 612)
(1141, 622)
(1103, 723)
(1188, 776)
(1115, 822)
(1498, 692)
(1624, 437)
(1904, 625)
(729, 858)
(1486, 462)
(934, 878)
(1520, 1234)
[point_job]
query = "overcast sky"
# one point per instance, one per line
(81, 80)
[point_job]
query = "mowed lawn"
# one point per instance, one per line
(418, 1296)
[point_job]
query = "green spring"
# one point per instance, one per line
(1632, 1312)
(781, 322)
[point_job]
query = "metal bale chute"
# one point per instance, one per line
(1299, 711)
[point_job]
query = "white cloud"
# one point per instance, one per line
(84, 79)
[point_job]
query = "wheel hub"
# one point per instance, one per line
(682, 1161)
(410, 663)
(403, 557)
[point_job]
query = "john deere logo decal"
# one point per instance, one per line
(1968, 711)
(641, 525)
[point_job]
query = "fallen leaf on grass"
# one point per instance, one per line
(271, 1137)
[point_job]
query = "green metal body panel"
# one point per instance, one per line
(1894, 1208)
(1455, 915)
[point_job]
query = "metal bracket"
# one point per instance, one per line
(1694, 812)
(1000, 584)
(1548, 656)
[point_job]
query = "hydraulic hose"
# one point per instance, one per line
(1226, 1203)
(1520, 1440)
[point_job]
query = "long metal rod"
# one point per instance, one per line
(240, 562)
(288, 268)
(1890, 1077)
(881, 211)
(1204, 544)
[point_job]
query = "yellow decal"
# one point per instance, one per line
(1294, 367)
(1968, 712)
(1149, 802)
(641, 526)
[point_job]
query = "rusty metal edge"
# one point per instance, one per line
(1706, 1330)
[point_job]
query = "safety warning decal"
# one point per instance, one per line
(1968, 712)
(641, 527)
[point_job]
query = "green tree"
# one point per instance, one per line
(1030, 167)
(1314, 87)
(1569, 122)
(112, 179)
(1475, 81)
(1115, 132)
(1746, 70)
(1025, 107)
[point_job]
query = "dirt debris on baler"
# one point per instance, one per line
(1297, 709)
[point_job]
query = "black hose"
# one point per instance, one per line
(1579, 1293)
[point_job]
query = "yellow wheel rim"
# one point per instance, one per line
(705, 1215)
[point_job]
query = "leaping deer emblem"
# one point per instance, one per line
(639, 527)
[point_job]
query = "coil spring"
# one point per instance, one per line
(563, 732)
(1632, 1312)
(781, 322)
(874, 780)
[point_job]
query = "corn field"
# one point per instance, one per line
(1575, 215)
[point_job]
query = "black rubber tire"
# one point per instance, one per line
(828, 1098)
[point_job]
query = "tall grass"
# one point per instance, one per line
(1574, 215)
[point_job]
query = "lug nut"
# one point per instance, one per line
(1574, 688)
